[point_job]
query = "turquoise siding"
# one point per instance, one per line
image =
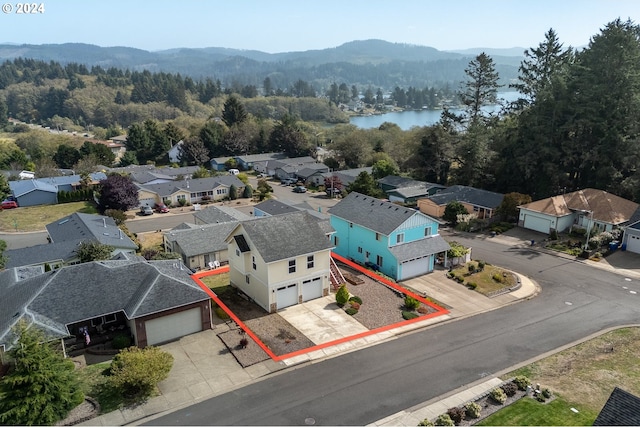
(354, 241)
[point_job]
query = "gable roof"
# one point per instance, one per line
(250, 158)
(415, 190)
(471, 195)
(20, 188)
(621, 409)
(71, 179)
(374, 214)
(61, 297)
(285, 236)
(398, 181)
(217, 214)
(203, 239)
(192, 185)
(81, 226)
(40, 254)
(605, 207)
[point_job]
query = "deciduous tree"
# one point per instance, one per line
(117, 192)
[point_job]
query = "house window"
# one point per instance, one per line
(193, 195)
(400, 238)
(110, 318)
(209, 193)
(310, 261)
(246, 279)
(181, 197)
(379, 260)
(427, 231)
(237, 252)
(292, 266)
(377, 236)
(253, 262)
(221, 191)
(359, 249)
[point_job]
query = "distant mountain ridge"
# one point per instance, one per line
(365, 62)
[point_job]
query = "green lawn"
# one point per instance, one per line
(34, 218)
(484, 280)
(94, 383)
(529, 412)
(217, 283)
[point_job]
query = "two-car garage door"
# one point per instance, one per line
(536, 223)
(288, 295)
(173, 326)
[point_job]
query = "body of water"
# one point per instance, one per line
(410, 118)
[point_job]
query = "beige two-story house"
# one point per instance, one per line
(281, 260)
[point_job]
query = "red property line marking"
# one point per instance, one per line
(225, 269)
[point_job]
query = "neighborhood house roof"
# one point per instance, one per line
(374, 214)
(415, 191)
(20, 188)
(398, 181)
(81, 226)
(621, 409)
(473, 196)
(605, 207)
(430, 245)
(217, 214)
(192, 185)
(286, 236)
(40, 254)
(64, 296)
(203, 239)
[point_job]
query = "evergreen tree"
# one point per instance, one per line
(66, 156)
(233, 192)
(481, 87)
(287, 136)
(365, 184)
(41, 386)
(233, 112)
(193, 151)
(91, 250)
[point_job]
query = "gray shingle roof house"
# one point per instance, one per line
(54, 254)
(482, 202)
(33, 192)
(272, 207)
(621, 409)
(193, 190)
(81, 226)
(412, 193)
(156, 300)
(217, 214)
(202, 246)
(393, 182)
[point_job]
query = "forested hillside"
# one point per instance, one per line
(575, 126)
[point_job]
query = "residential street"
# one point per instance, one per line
(362, 387)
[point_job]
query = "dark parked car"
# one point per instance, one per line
(299, 189)
(161, 208)
(146, 210)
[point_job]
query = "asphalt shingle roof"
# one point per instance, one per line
(369, 212)
(192, 185)
(81, 226)
(203, 239)
(474, 196)
(79, 292)
(217, 214)
(621, 409)
(286, 236)
(40, 254)
(422, 247)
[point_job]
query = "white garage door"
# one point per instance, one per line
(535, 223)
(312, 289)
(416, 267)
(287, 296)
(147, 202)
(633, 244)
(174, 326)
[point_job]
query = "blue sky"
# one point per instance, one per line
(288, 25)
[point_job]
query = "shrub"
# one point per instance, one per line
(426, 422)
(540, 398)
(522, 382)
(472, 285)
(351, 311)
(471, 267)
(460, 279)
(546, 393)
(121, 341)
(423, 310)
(497, 277)
(408, 315)
(355, 298)
(411, 303)
(498, 395)
(355, 305)
(456, 414)
(472, 410)
(444, 420)
(222, 314)
(244, 342)
(342, 296)
(135, 372)
(451, 275)
(510, 389)
(481, 265)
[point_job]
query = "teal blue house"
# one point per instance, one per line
(400, 242)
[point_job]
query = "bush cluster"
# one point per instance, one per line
(444, 420)
(546, 393)
(351, 311)
(498, 395)
(355, 298)
(408, 315)
(472, 285)
(423, 310)
(510, 389)
(472, 410)
(456, 414)
(522, 382)
(426, 422)
(497, 277)
(121, 341)
(411, 303)
(481, 265)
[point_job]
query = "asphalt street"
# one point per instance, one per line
(362, 387)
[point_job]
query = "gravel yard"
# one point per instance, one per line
(381, 306)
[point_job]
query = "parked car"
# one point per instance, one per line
(161, 208)
(9, 204)
(146, 210)
(299, 189)
(335, 191)
(288, 181)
